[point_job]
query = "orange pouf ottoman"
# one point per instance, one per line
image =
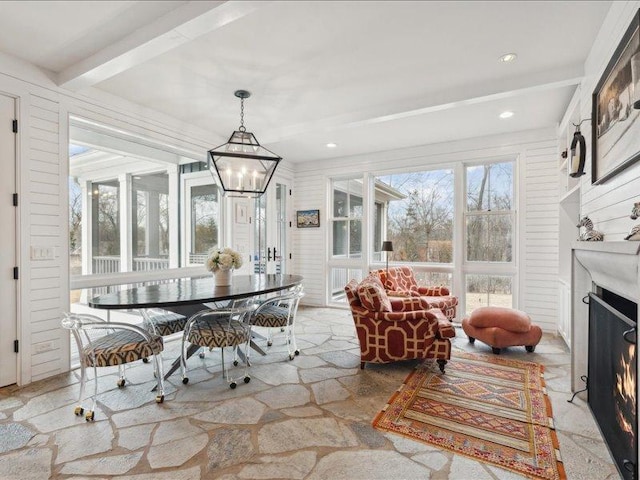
(501, 327)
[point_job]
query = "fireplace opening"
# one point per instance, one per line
(612, 376)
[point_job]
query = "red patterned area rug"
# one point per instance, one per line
(491, 409)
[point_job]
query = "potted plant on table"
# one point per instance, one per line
(222, 262)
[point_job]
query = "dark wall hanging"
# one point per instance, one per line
(578, 152)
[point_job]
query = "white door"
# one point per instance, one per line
(8, 285)
(271, 229)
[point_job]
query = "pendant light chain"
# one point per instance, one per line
(242, 127)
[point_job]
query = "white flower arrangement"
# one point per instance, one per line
(224, 259)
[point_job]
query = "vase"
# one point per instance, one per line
(223, 277)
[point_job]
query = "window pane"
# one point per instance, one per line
(489, 238)
(340, 236)
(419, 215)
(434, 279)
(501, 183)
(490, 187)
(75, 226)
(355, 238)
(339, 278)
(488, 290)
(106, 231)
(150, 221)
(205, 218)
(340, 200)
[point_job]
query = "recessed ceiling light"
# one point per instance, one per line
(506, 114)
(508, 57)
(332, 145)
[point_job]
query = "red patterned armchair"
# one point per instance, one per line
(401, 282)
(397, 329)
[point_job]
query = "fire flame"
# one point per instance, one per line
(626, 390)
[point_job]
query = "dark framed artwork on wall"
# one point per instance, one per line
(308, 218)
(615, 110)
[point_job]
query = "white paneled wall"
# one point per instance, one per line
(537, 260)
(539, 236)
(609, 204)
(43, 210)
(45, 221)
(309, 244)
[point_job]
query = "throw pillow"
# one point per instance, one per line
(372, 295)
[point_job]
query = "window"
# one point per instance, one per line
(205, 217)
(489, 216)
(339, 278)
(346, 223)
(105, 205)
(485, 290)
(150, 221)
(419, 215)
(489, 235)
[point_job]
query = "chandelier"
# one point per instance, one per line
(243, 167)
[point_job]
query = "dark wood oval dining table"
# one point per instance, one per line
(189, 295)
(194, 291)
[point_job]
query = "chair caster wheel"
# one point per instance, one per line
(282, 329)
(297, 352)
(269, 343)
(232, 385)
(90, 416)
(145, 360)
(201, 354)
(159, 398)
(291, 356)
(530, 348)
(78, 411)
(121, 383)
(185, 380)
(247, 379)
(235, 363)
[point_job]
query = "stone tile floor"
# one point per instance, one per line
(309, 418)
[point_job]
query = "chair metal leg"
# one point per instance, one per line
(79, 410)
(157, 361)
(121, 376)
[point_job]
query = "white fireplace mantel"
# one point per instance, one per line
(614, 266)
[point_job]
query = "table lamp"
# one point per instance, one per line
(387, 246)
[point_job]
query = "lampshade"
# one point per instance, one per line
(387, 246)
(242, 165)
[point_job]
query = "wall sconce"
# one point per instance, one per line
(578, 152)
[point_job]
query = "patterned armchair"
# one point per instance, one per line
(397, 329)
(401, 282)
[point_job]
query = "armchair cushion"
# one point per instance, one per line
(372, 295)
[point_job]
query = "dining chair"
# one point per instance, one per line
(280, 312)
(219, 328)
(105, 344)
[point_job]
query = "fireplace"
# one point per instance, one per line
(612, 376)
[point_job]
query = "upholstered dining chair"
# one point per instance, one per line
(280, 312)
(105, 344)
(219, 328)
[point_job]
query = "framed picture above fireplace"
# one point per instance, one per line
(615, 110)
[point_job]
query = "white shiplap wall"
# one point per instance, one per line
(537, 259)
(539, 236)
(608, 205)
(45, 220)
(43, 209)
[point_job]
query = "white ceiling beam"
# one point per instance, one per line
(439, 101)
(185, 23)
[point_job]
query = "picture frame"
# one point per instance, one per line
(241, 213)
(308, 218)
(615, 110)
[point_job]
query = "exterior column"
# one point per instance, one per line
(174, 222)
(126, 248)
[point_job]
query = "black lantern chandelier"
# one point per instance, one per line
(242, 165)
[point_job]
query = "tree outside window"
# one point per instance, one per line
(420, 223)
